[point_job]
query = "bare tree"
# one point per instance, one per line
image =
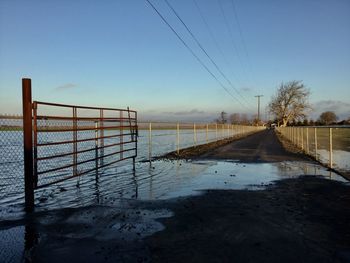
(235, 118)
(290, 103)
(328, 117)
(223, 118)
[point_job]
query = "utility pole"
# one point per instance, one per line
(258, 96)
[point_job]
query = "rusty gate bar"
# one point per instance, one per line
(93, 128)
(28, 144)
(102, 141)
(35, 148)
(96, 149)
(75, 138)
(121, 132)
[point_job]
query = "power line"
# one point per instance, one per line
(204, 50)
(218, 46)
(191, 51)
(229, 29)
(242, 38)
(259, 96)
(214, 39)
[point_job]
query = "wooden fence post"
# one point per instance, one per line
(28, 144)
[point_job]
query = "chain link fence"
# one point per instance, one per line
(328, 145)
(11, 158)
(155, 139)
(159, 138)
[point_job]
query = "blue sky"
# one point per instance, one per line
(120, 53)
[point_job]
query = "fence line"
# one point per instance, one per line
(221, 131)
(328, 145)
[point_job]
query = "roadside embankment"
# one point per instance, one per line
(196, 151)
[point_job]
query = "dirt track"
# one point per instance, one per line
(263, 146)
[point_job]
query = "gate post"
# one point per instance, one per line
(28, 144)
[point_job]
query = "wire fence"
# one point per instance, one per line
(328, 145)
(11, 158)
(155, 139)
(80, 141)
(159, 138)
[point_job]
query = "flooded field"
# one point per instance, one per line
(118, 187)
(11, 154)
(119, 192)
(160, 180)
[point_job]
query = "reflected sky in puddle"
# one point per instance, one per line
(158, 181)
(251, 176)
(162, 180)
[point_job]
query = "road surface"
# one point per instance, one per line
(263, 146)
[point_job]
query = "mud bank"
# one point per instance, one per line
(297, 220)
(196, 151)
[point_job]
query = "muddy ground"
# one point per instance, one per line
(306, 219)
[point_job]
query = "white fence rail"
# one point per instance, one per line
(184, 135)
(329, 145)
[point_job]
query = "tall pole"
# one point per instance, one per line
(258, 96)
(28, 144)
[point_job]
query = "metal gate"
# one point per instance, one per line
(65, 141)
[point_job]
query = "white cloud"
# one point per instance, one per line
(66, 86)
(340, 108)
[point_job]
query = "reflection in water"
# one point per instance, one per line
(31, 239)
(164, 179)
(136, 185)
(159, 180)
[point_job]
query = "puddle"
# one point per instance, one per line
(141, 223)
(12, 244)
(162, 180)
(108, 200)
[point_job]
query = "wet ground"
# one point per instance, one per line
(205, 210)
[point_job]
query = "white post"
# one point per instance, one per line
(330, 148)
(307, 140)
(150, 142)
(316, 143)
(194, 134)
(302, 138)
(297, 137)
(178, 138)
(206, 133)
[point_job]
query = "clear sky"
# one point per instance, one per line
(120, 53)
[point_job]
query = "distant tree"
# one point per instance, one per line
(305, 122)
(235, 118)
(290, 103)
(255, 120)
(328, 117)
(222, 118)
(244, 119)
(311, 122)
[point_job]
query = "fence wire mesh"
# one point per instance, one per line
(11, 158)
(56, 131)
(329, 145)
(80, 141)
